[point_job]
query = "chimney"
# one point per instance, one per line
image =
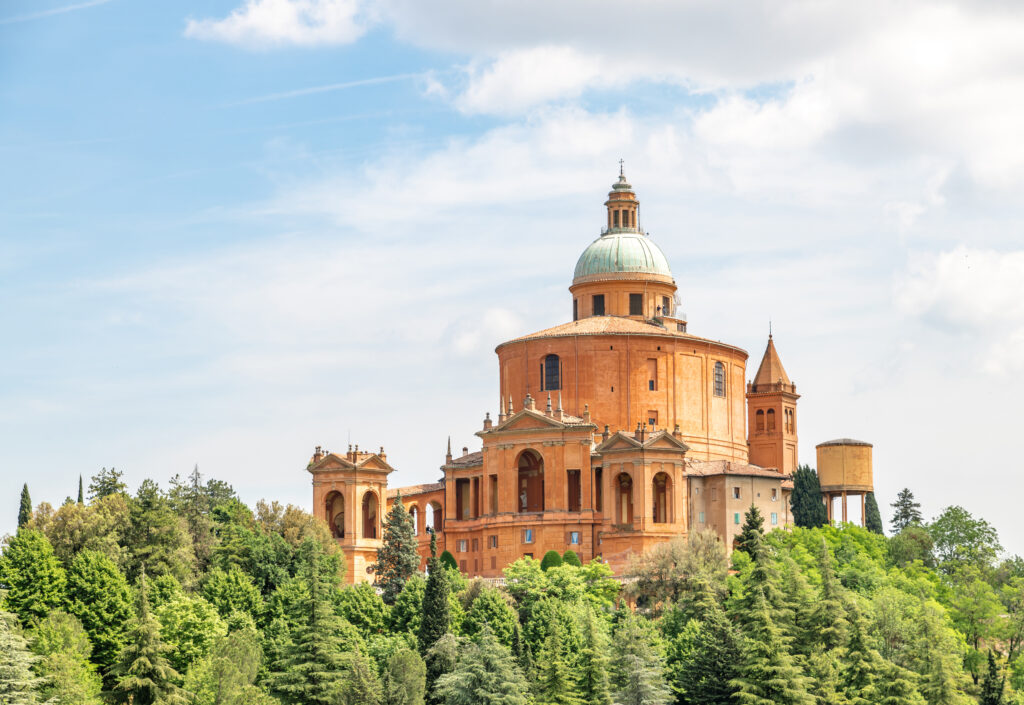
(606, 434)
(487, 421)
(317, 455)
(586, 413)
(448, 455)
(382, 454)
(465, 451)
(639, 432)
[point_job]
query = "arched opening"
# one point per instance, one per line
(623, 499)
(369, 515)
(719, 379)
(551, 374)
(335, 506)
(531, 482)
(662, 487)
(414, 514)
(759, 424)
(434, 516)
(771, 419)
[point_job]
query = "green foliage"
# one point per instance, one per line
(227, 674)
(913, 543)
(992, 686)
(33, 577)
(751, 532)
(397, 558)
(363, 608)
(448, 560)
(703, 657)
(571, 558)
(98, 526)
(98, 595)
(64, 651)
(232, 591)
(593, 682)
(551, 560)
(361, 685)
(158, 540)
(872, 517)
(669, 572)
(491, 608)
(808, 506)
(637, 677)
(486, 674)
(436, 618)
(81, 496)
(440, 660)
(404, 681)
(190, 626)
(25, 507)
(905, 511)
(404, 615)
(556, 682)
(18, 684)
(142, 674)
(106, 483)
(961, 540)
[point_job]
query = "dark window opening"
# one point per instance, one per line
(598, 304)
(665, 309)
(598, 490)
(531, 482)
(636, 304)
(575, 495)
(575, 309)
(476, 497)
(552, 368)
(616, 219)
(759, 423)
(652, 374)
(771, 419)
(462, 498)
(494, 493)
(719, 379)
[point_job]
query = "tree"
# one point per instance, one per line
(25, 508)
(767, 674)
(436, 620)
(828, 618)
(191, 500)
(872, 517)
(98, 595)
(491, 608)
(914, 543)
(363, 608)
(976, 612)
(64, 651)
(637, 676)
(960, 540)
(555, 682)
(190, 626)
(992, 686)
(158, 538)
(808, 506)
(232, 591)
(440, 660)
(81, 496)
(99, 526)
(404, 678)
(405, 615)
(105, 483)
(704, 674)
(226, 675)
(861, 666)
(18, 684)
(142, 674)
(485, 674)
(314, 664)
(397, 557)
(906, 512)
(448, 560)
(667, 573)
(33, 577)
(753, 523)
(551, 559)
(361, 686)
(593, 683)
(570, 557)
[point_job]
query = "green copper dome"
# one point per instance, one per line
(618, 252)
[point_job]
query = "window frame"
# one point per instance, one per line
(636, 304)
(719, 379)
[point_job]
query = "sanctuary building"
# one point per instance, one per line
(616, 431)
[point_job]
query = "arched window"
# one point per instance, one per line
(771, 419)
(369, 515)
(336, 514)
(551, 374)
(623, 499)
(662, 487)
(759, 424)
(434, 516)
(719, 379)
(531, 482)
(414, 514)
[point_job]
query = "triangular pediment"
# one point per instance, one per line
(618, 441)
(375, 462)
(331, 461)
(528, 419)
(666, 441)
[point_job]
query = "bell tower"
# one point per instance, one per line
(771, 415)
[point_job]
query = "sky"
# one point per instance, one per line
(233, 230)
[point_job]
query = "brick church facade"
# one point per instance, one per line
(616, 431)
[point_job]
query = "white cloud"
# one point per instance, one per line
(262, 23)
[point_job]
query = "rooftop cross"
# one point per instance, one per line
(621, 171)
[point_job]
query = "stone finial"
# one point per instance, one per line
(548, 410)
(586, 413)
(465, 450)
(676, 432)
(559, 400)
(448, 455)
(606, 434)
(528, 403)
(487, 421)
(511, 411)
(318, 455)
(639, 432)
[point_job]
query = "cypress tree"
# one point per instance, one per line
(570, 557)
(555, 682)
(872, 517)
(18, 684)
(81, 495)
(397, 558)
(448, 560)
(25, 508)
(436, 621)
(142, 674)
(992, 685)
(767, 674)
(808, 506)
(593, 680)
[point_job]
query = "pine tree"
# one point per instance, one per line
(637, 678)
(397, 558)
(808, 506)
(18, 684)
(405, 679)
(896, 687)
(905, 511)
(593, 679)
(767, 674)
(142, 674)
(828, 620)
(81, 495)
(992, 685)
(872, 517)
(98, 595)
(486, 674)
(361, 685)
(555, 682)
(823, 671)
(314, 664)
(32, 575)
(25, 508)
(861, 666)
(753, 523)
(706, 677)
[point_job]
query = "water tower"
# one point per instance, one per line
(844, 470)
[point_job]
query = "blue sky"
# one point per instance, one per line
(231, 231)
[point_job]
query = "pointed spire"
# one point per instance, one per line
(548, 410)
(448, 455)
(771, 371)
(510, 410)
(559, 400)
